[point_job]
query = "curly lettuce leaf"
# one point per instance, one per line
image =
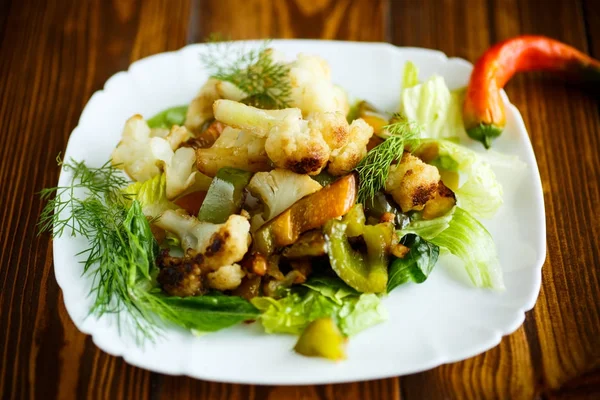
(322, 297)
(151, 195)
(432, 105)
(410, 77)
(465, 237)
(481, 192)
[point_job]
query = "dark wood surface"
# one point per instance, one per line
(54, 54)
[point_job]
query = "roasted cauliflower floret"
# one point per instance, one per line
(312, 89)
(179, 276)
(200, 109)
(345, 159)
(234, 148)
(300, 145)
(228, 277)
(182, 176)
(217, 244)
(134, 153)
(279, 189)
(412, 182)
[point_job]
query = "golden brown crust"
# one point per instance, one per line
(180, 276)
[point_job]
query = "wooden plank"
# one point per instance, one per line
(564, 125)
(54, 55)
(321, 19)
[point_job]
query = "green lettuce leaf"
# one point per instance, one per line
(322, 297)
(151, 195)
(294, 312)
(480, 193)
(432, 105)
(169, 117)
(427, 228)
(410, 77)
(360, 313)
(210, 312)
(459, 233)
(467, 239)
(416, 265)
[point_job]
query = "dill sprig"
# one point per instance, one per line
(121, 249)
(265, 81)
(373, 170)
(62, 201)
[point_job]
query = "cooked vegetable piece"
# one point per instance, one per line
(279, 189)
(191, 202)
(225, 195)
(414, 266)
(324, 178)
(367, 274)
(483, 109)
(311, 87)
(310, 244)
(441, 202)
(300, 145)
(309, 213)
(322, 338)
(200, 109)
(346, 158)
(168, 118)
(134, 152)
(375, 118)
(217, 245)
(235, 149)
(412, 183)
(355, 221)
(179, 166)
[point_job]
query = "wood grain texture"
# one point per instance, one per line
(55, 54)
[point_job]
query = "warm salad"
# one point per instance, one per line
(274, 197)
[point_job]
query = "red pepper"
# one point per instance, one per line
(483, 110)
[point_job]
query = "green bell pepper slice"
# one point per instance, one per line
(225, 195)
(367, 273)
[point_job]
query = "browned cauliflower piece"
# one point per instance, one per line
(300, 145)
(200, 109)
(228, 277)
(234, 148)
(412, 183)
(216, 244)
(180, 276)
(345, 159)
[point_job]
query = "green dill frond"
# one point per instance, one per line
(254, 71)
(59, 214)
(374, 169)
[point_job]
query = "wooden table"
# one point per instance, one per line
(55, 54)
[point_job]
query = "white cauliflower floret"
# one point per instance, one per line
(200, 109)
(300, 145)
(412, 183)
(134, 153)
(312, 89)
(345, 159)
(219, 244)
(228, 277)
(234, 148)
(279, 189)
(182, 177)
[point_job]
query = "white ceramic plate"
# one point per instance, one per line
(439, 321)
